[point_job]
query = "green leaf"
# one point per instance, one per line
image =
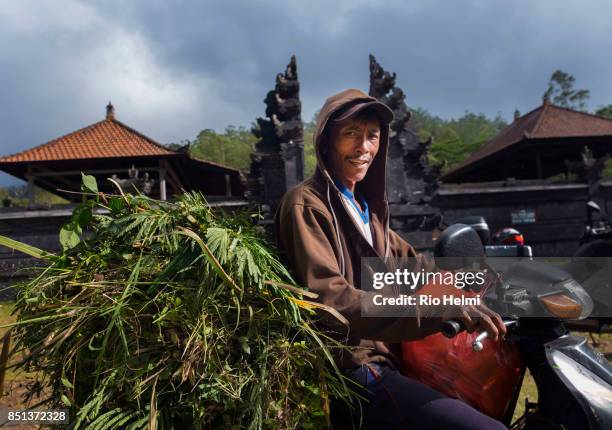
(116, 204)
(67, 383)
(211, 257)
(69, 236)
(25, 248)
(65, 400)
(90, 185)
(82, 215)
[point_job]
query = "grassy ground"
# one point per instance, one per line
(529, 392)
(15, 383)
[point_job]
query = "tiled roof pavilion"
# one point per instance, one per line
(108, 147)
(105, 139)
(536, 145)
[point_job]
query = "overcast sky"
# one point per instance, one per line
(174, 68)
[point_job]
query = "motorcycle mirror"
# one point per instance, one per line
(479, 224)
(457, 247)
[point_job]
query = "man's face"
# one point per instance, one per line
(353, 145)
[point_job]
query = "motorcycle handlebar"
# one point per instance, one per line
(452, 328)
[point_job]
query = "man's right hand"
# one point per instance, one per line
(477, 317)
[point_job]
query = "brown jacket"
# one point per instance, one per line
(324, 246)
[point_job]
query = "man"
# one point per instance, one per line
(326, 225)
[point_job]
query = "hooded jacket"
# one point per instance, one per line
(323, 246)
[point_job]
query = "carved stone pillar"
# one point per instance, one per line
(411, 180)
(588, 169)
(277, 163)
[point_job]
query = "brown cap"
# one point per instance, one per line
(385, 114)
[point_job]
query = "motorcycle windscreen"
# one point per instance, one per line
(485, 380)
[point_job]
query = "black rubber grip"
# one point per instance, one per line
(452, 328)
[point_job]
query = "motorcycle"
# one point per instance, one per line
(598, 224)
(592, 266)
(574, 381)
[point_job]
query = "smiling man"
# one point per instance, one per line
(324, 226)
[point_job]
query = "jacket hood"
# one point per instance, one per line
(373, 185)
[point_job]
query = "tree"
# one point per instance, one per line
(310, 157)
(454, 140)
(232, 148)
(561, 91)
(605, 111)
(178, 146)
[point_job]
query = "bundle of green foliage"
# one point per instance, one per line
(167, 315)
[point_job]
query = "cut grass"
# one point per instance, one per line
(175, 315)
(5, 315)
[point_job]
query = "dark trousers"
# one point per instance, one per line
(393, 401)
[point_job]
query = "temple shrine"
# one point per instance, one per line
(110, 148)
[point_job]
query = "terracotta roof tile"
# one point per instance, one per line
(105, 139)
(561, 122)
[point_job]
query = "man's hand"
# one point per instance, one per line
(478, 317)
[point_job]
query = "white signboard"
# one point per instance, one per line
(523, 216)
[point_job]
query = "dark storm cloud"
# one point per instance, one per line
(174, 68)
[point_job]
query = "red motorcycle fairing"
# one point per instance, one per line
(486, 380)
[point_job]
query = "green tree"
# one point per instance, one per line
(310, 157)
(605, 111)
(178, 146)
(454, 140)
(231, 148)
(561, 91)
